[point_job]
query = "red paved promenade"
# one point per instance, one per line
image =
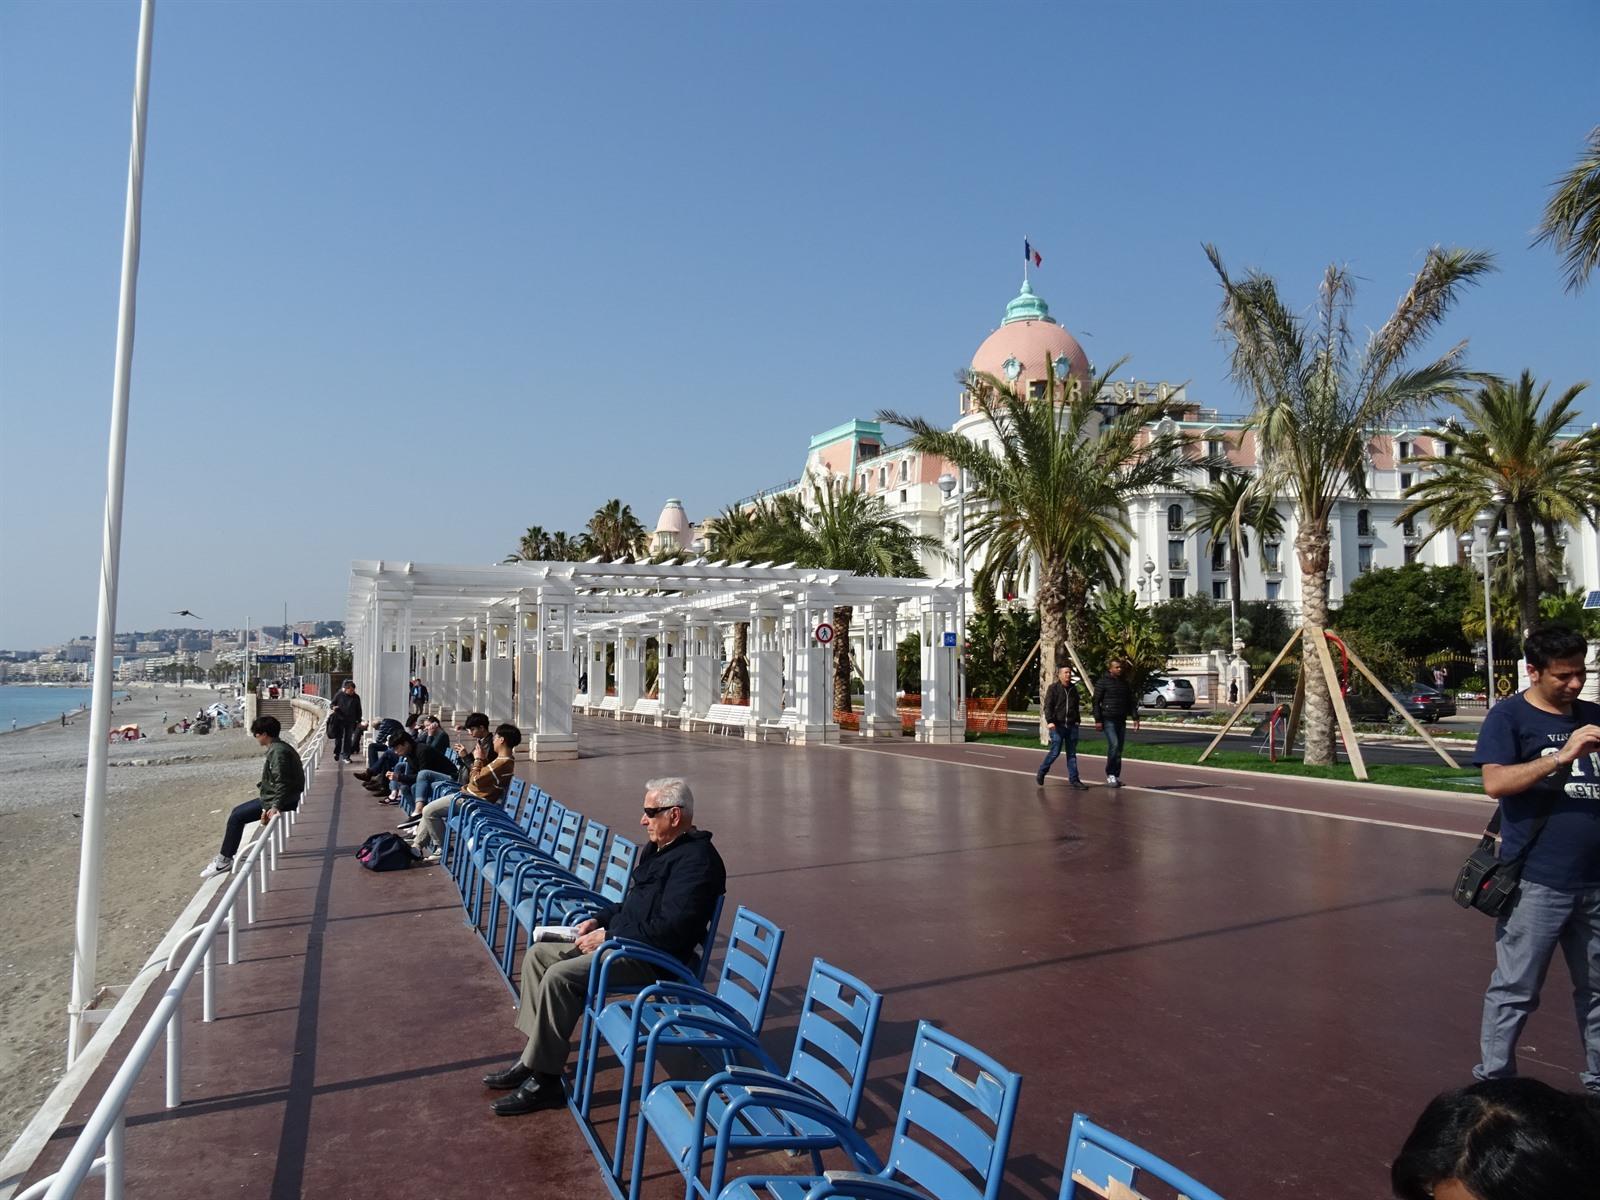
(1265, 997)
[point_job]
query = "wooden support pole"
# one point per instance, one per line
(1400, 708)
(1254, 692)
(1340, 710)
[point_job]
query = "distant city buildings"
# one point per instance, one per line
(160, 653)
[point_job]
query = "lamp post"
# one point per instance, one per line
(947, 484)
(1150, 581)
(1484, 524)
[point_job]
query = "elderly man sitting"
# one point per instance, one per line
(668, 905)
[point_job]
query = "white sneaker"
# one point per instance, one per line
(1113, 781)
(220, 865)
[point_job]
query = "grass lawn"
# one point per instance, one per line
(1418, 775)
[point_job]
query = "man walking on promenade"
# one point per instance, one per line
(1540, 754)
(668, 905)
(346, 731)
(1113, 702)
(1061, 715)
(283, 778)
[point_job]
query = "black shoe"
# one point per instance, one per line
(1039, 779)
(364, 776)
(538, 1094)
(1080, 785)
(513, 1076)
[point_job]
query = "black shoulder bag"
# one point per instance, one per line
(1485, 882)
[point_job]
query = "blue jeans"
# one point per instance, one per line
(377, 752)
(1524, 944)
(1062, 740)
(1116, 731)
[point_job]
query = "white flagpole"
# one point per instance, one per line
(86, 945)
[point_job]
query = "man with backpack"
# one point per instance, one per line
(283, 778)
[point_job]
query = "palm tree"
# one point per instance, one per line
(1054, 486)
(1224, 508)
(1508, 458)
(614, 531)
(1318, 400)
(1572, 217)
(733, 534)
(845, 530)
(533, 547)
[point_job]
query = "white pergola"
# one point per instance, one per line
(513, 641)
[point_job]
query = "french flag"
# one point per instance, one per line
(300, 639)
(1029, 254)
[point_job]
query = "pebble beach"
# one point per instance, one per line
(166, 797)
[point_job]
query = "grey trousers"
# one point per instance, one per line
(1524, 944)
(430, 824)
(555, 981)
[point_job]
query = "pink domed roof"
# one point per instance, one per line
(1031, 338)
(673, 519)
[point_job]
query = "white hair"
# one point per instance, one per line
(671, 791)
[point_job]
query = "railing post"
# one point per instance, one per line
(114, 1158)
(208, 985)
(261, 861)
(174, 1058)
(233, 933)
(272, 846)
(250, 898)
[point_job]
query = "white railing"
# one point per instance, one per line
(98, 1151)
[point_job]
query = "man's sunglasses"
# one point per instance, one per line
(653, 813)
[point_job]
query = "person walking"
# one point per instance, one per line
(346, 727)
(1113, 703)
(1061, 714)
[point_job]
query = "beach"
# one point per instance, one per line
(166, 797)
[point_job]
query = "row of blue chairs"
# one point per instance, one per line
(539, 862)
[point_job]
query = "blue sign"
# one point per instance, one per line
(950, 639)
(275, 658)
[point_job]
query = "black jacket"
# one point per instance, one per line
(386, 730)
(431, 758)
(1061, 705)
(670, 897)
(1113, 698)
(347, 708)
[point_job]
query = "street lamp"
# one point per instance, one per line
(1484, 524)
(947, 484)
(1150, 580)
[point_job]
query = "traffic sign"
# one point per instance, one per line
(950, 638)
(824, 633)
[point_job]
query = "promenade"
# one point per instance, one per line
(1262, 980)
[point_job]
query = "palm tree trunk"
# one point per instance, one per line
(739, 668)
(1528, 550)
(842, 616)
(1052, 628)
(1311, 545)
(1075, 602)
(1235, 578)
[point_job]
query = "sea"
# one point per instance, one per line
(30, 704)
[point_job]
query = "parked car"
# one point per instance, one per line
(1365, 706)
(1159, 693)
(1443, 703)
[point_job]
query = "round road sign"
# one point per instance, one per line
(824, 633)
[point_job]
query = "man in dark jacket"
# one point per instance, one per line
(1061, 715)
(283, 778)
(668, 905)
(344, 724)
(1114, 703)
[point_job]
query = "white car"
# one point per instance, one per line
(1159, 693)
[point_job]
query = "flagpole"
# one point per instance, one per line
(85, 948)
(1026, 242)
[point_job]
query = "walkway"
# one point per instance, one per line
(1265, 996)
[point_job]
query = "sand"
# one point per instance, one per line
(166, 798)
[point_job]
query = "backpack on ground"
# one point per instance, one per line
(385, 852)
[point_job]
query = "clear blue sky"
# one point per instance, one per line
(417, 276)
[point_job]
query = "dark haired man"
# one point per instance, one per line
(1113, 703)
(431, 783)
(283, 778)
(1061, 715)
(1540, 754)
(490, 775)
(344, 722)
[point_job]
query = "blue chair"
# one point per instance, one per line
(951, 1145)
(466, 818)
(1097, 1157)
(851, 1185)
(558, 844)
(832, 1046)
(531, 880)
(569, 905)
(485, 841)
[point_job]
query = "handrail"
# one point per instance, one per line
(104, 1128)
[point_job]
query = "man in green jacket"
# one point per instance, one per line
(282, 781)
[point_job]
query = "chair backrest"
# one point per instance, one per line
(833, 1043)
(850, 1185)
(969, 1119)
(704, 961)
(590, 853)
(565, 852)
(553, 815)
(533, 813)
(749, 965)
(514, 793)
(618, 867)
(1096, 1157)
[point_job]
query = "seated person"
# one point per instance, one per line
(668, 905)
(487, 781)
(1502, 1139)
(431, 784)
(379, 747)
(283, 779)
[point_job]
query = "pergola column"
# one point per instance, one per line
(878, 669)
(597, 668)
(941, 724)
(480, 672)
(497, 699)
(460, 696)
(630, 670)
(813, 682)
(699, 669)
(766, 664)
(669, 670)
(525, 639)
(552, 736)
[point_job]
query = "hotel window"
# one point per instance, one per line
(1214, 448)
(1363, 559)
(1404, 450)
(902, 495)
(1271, 549)
(1175, 589)
(883, 478)
(1446, 449)
(1219, 589)
(1411, 554)
(1174, 518)
(1219, 556)
(1175, 555)
(1363, 522)
(1405, 480)
(1274, 589)
(1214, 474)
(904, 464)
(1409, 527)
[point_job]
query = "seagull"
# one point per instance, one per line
(184, 612)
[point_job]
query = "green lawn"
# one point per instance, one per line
(1418, 775)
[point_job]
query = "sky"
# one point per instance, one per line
(416, 276)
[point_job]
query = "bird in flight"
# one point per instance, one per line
(184, 612)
